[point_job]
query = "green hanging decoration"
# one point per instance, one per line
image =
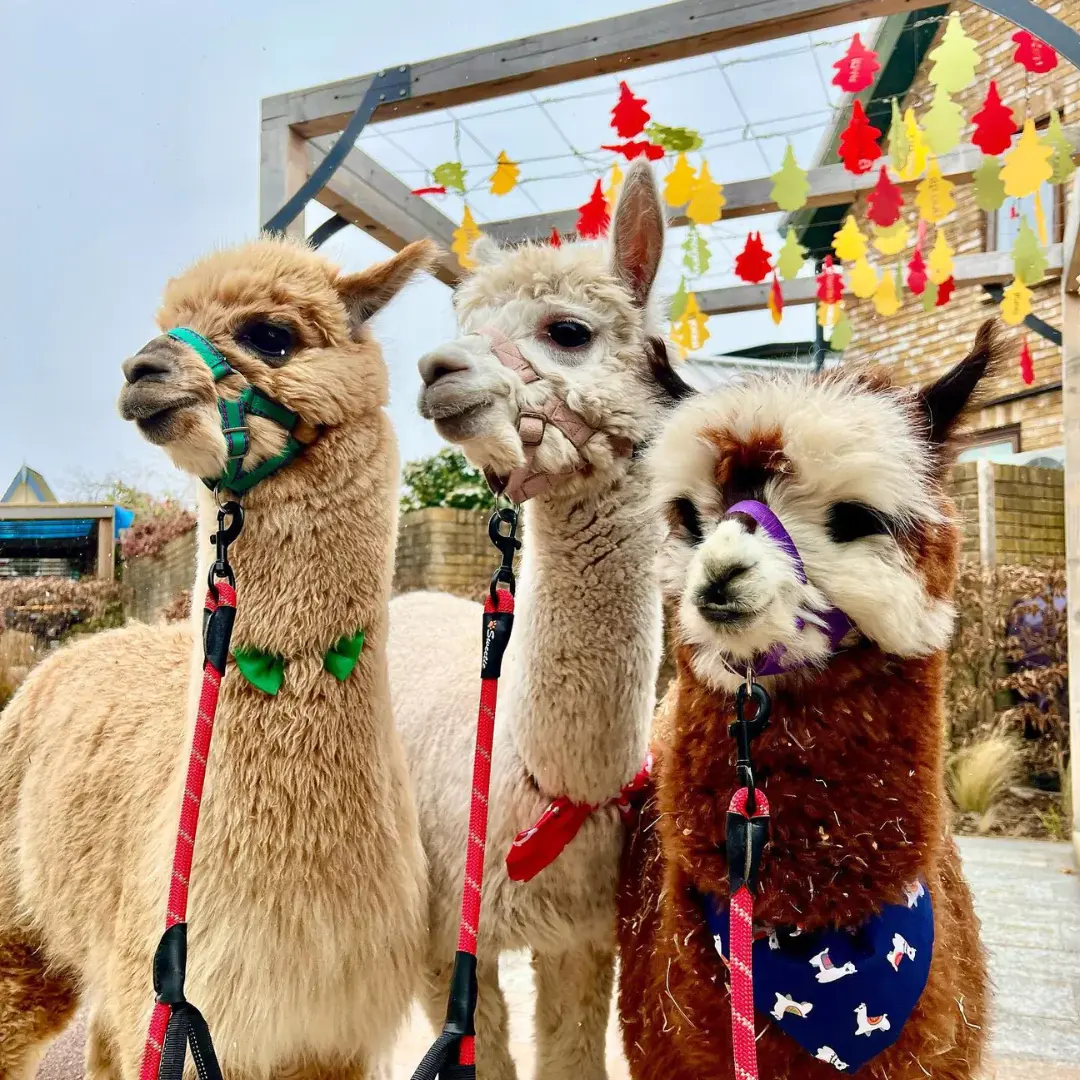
(841, 335)
(943, 122)
(1029, 260)
(696, 255)
(1062, 159)
(676, 140)
(929, 298)
(678, 301)
(899, 143)
(790, 184)
(988, 185)
(791, 258)
(450, 175)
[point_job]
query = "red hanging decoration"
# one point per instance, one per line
(438, 189)
(858, 143)
(916, 273)
(593, 216)
(640, 148)
(856, 69)
(1032, 54)
(944, 292)
(884, 202)
(555, 240)
(1027, 367)
(752, 263)
(629, 117)
(994, 123)
(830, 285)
(776, 300)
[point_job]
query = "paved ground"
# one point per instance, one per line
(1028, 897)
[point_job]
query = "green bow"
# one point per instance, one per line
(264, 670)
(341, 658)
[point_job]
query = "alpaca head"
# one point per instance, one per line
(853, 467)
(579, 315)
(289, 323)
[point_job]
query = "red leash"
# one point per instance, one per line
(175, 1022)
(453, 1054)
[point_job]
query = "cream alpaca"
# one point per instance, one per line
(580, 673)
(308, 891)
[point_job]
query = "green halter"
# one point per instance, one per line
(234, 413)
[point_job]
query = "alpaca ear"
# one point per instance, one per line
(370, 290)
(485, 251)
(943, 403)
(637, 233)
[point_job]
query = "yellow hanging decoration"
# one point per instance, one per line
(933, 195)
(893, 240)
(690, 331)
(706, 199)
(614, 184)
(1016, 303)
(1040, 218)
(828, 314)
(679, 183)
(943, 122)
(955, 59)
(849, 243)
(1027, 164)
(939, 266)
(465, 235)
(505, 177)
(886, 302)
(917, 148)
(863, 279)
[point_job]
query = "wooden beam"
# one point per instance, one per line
(1071, 240)
(368, 196)
(282, 169)
(667, 32)
(985, 268)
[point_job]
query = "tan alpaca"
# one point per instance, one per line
(308, 890)
(579, 679)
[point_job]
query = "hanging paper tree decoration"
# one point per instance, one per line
(929, 298)
(1016, 303)
(884, 202)
(690, 331)
(593, 216)
(676, 140)
(989, 189)
(940, 263)
(696, 257)
(555, 240)
(840, 338)
(1032, 54)
(614, 183)
(943, 122)
(886, 300)
(628, 117)
(933, 195)
(994, 123)
(830, 285)
(849, 243)
(916, 273)
(790, 185)
(505, 177)
(706, 199)
(944, 292)
(679, 183)
(918, 150)
(752, 263)
(893, 240)
(433, 189)
(1061, 161)
(1027, 164)
(450, 175)
(899, 143)
(636, 149)
(776, 301)
(953, 61)
(858, 148)
(1027, 366)
(828, 315)
(678, 301)
(856, 69)
(863, 279)
(1029, 260)
(791, 258)
(465, 235)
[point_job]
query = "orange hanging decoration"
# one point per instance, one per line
(752, 263)
(628, 117)
(776, 301)
(858, 143)
(1027, 366)
(856, 69)
(594, 216)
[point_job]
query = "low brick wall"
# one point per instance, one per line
(153, 581)
(445, 549)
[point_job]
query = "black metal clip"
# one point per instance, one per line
(507, 543)
(233, 512)
(747, 728)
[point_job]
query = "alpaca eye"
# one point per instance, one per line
(686, 519)
(569, 334)
(271, 341)
(850, 521)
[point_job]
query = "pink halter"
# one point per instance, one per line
(526, 481)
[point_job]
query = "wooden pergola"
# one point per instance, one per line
(302, 157)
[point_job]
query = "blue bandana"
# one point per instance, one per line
(842, 995)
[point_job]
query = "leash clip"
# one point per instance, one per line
(747, 728)
(507, 543)
(233, 513)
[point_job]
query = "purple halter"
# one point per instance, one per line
(833, 622)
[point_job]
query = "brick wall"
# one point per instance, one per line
(153, 581)
(445, 549)
(918, 345)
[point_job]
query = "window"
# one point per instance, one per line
(992, 445)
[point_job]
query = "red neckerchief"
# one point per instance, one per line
(541, 845)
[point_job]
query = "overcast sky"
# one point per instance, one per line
(130, 147)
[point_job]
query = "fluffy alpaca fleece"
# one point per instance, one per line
(852, 759)
(308, 891)
(578, 682)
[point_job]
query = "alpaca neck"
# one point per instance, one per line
(589, 637)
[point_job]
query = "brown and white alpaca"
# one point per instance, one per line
(308, 892)
(851, 762)
(580, 672)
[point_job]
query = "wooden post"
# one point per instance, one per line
(106, 548)
(282, 169)
(984, 479)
